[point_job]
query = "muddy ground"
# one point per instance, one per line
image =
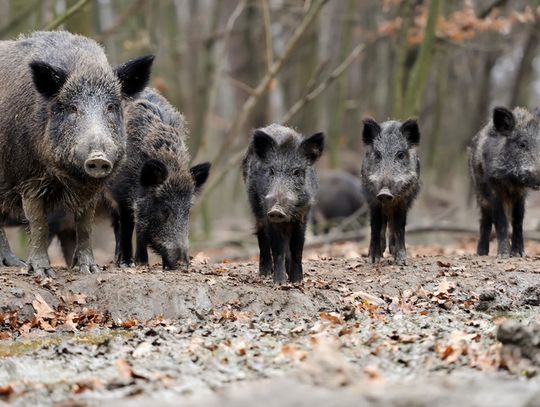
(447, 329)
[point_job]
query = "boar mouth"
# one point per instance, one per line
(536, 187)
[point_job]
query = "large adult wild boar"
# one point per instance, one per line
(504, 160)
(62, 134)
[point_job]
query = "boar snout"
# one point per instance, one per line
(97, 166)
(277, 215)
(174, 259)
(385, 195)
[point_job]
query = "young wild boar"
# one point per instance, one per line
(504, 161)
(154, 187)
(391, 181)
(62, 134)
(281, 185)
(338, 197)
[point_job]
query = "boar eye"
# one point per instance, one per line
(271, 171)
(72, 109)
(378, 155)
(522, 144)
(298, 172)
(112, 107)
(400, 155)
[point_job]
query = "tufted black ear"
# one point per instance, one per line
(153, 173)
(134, 74)
(200, 173)
(371, 131)
(262, 144)
(410, 130)
(313, 147)
(503, 119)
(48, 80)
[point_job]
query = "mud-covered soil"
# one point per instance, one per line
(444, 330)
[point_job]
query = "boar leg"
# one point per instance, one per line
(397, 230)
(518, 212)
(116, 229)
(84, 257)
(7, 258)
(501, 227)
(67, 240)
(38, 260)
(279, 242)
(376, 220)
(297, 247)
(486, 222)
(265, 256)
(141, 250)
(126, 232)
(383, 235)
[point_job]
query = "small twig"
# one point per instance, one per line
(58, 21)
(336, 73)
(241, 85)
(267, 33)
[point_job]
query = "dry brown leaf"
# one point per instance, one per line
(43, 310)
(128, 324)
(73, 298)
(124, 369)
(332, 317)
(6, 392)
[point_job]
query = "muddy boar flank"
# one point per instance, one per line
(154, 188)
(391, 181)
(281, 185)
(62, 134)
(504, 160)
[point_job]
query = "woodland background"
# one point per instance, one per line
(318, 65)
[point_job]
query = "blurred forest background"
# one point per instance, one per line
(317, 65)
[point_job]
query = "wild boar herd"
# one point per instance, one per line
(76, 132)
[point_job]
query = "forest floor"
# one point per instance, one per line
(447, 329)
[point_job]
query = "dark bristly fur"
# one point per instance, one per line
(154, 188)
(61, 105)
(281, 185)
(391, 181)
(504, 160)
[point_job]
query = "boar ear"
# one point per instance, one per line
(313, 147)
(48, 80)
(503, 119)
(262, 143)
(200, 173)
(371, 131)
(153, 173)
(410, 130)
(134, 74)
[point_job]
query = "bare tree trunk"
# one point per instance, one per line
(420, 70)
(340, 95)
(522, 82)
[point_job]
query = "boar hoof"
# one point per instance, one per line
(40, 268)
(265, 272)
(401, 261)
(88, 268)
(10, 260)
(127, 264)
(280, 280)
(375, 259)
(503, 255)
(517, 253)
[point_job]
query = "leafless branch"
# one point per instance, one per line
(336, 73)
